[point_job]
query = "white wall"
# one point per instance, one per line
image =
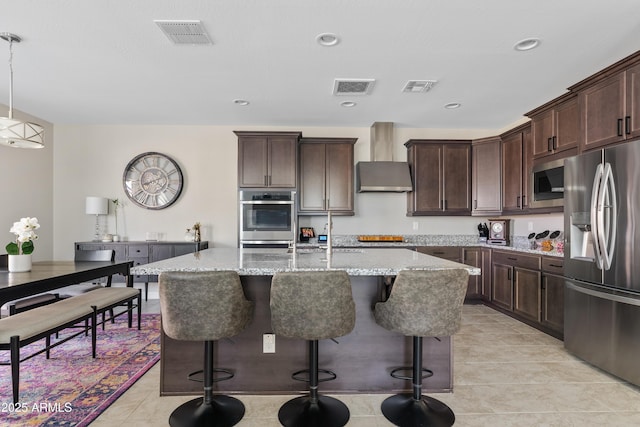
(89, 161)
(27, 188)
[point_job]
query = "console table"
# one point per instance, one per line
(143, 252)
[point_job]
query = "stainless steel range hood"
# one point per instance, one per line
(382, 174)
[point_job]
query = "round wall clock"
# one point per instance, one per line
(152, 180)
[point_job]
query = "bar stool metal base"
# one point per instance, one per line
(405, 411)
(302, 412)
(222, 411)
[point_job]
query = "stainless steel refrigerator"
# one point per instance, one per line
(602, 259)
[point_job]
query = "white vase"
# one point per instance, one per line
(19, 263)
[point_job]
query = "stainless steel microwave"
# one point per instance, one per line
(546, 189)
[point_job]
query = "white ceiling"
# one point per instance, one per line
(107, 62)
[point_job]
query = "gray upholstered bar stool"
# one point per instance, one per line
(205, 306)
(312, 305)
(421, 304)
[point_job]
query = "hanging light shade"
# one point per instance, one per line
(13, 132)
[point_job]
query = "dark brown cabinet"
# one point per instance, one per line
(516, 167)
(609, 106)
(441, 174)
(326, 175)
(502, 289)
(267, 159)
(554, 127)
(486, 176)
(526, 293)
(479, 286)
(530, 288)
(552, 313)
(451, 253)
(516, 283)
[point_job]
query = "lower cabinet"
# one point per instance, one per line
(526, 293)
(477, 257)
(531, 287)
(479, 286)
(552, 315)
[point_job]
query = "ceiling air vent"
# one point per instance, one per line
(353, 86)
(417, 86)
(185, 32)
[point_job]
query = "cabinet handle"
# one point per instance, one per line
(512, 259)
(265, 181)
(548, 144)
(553, 143)
(518, 202)
(475, 204)
(523, 199)
(509, 274)
(619, 127)
(444, 204)
(438, 253)
(555, 265)
(627, 125)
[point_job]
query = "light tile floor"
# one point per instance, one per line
(505, 374)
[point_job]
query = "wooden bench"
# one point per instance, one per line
(27, 327)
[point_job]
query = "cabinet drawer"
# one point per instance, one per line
(517, 259)
(452, 253)
(553, 265)
(139, 251)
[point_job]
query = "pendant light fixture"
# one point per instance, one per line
(16, 133)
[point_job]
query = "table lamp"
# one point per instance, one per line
(97, 206)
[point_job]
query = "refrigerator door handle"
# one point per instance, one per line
(604, 295)
(608, 222)
(595, 217)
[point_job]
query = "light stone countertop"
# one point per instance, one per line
(267, 262)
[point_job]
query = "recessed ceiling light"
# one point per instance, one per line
(327, 39)
(348, 104)
(527, 44)
(242, 102)
(452, 105)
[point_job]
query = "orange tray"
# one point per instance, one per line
(380, 238)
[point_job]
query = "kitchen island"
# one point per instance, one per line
(362, 360)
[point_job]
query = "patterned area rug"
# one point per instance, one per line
(72, 388)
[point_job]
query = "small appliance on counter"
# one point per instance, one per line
(499, 232)
(483, 233)
(306, 233)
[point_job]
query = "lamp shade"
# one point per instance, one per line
(97, 206)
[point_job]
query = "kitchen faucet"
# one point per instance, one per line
(329, 232)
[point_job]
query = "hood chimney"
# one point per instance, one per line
(382, 174)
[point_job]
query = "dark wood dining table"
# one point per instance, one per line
(50, 275)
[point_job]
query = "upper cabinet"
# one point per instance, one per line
(486, 176)
(516, 167)
(326, 176)
(441, 173)
(267, 159)
(609, 105)
(554, 127)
